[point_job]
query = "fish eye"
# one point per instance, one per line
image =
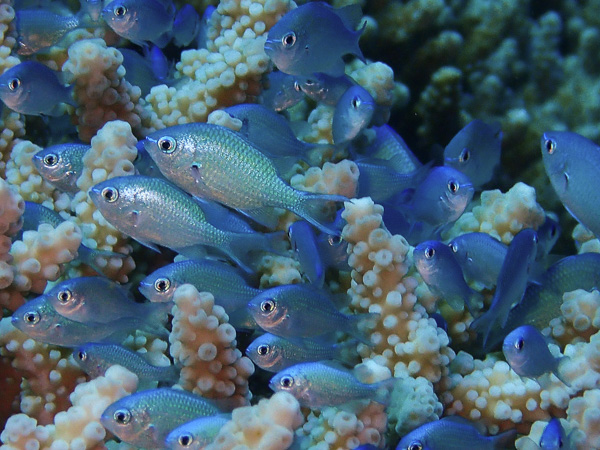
(429, 252)
(31, 317)
(263, 349)
(64, 296)
(82, 355)
(415, 445)
(309, 82)
(453, 186)
(519, 343)
(464, 155)
(167, 144)
(550, 146)
(453, 247)
(289, 39)
(14, 84)
(355, 102)
(185, 439)
(122, 416)
(162, 284)
(297, 86)
(120, 10)
(334, 240)
(51, 159)
(267, 306)
(110, 194)
(553, 230)
(286, 381)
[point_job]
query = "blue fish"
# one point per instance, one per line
(475, 151)
(389, 146)
(353, 113)
(548, 233)
(32, 88)
(186, 25)
(201, 37)
(196, 434)
(324, 88)
(141, 70)
(295, 42)
(304, 243)
(61, 165)
(93, 8)
(282, 91)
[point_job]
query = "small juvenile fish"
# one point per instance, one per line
(186, 25)
(144, 419)
(442, 273)
(216, 163)
(480, 257)
(324, 88)
(475, 151)
(274, 353)
(95, 359)
(32, 88)
(91, 7)
(389, 146)
(334, 251)
(326, 383)
(298, 310)
(295, 42)
(554, 436)
(197, 434)
(512, 282)
(548, 233)
(141, 22)
(283, 91)
(61, 165)
(572, 164)
(526, 350)
(144, 208)
(353, 113)
(304, 243)
(454, 433)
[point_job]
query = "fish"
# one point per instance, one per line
(554, 436)
(475, 151)
(353, 113)
(572, 163)
(511, 284)
(32, 88)
(299, 311)
(282, 91)
(548, 233)
(295, 42)
(144, 419)
(216, 163)
(334, 251)
(140, 71)
(141, 21)
(144, 164)
(274, 353)
(93, 8)
(143, 207)
(480, 256)
(304, 243)
(61, 165)
(454, 433)
(186, 25)
(327, 383)
(389, 146)
(196, 434)
(541, 302)
(527, 353)
(438, 267)
(94, 359)
(324, 88)
(201, 36)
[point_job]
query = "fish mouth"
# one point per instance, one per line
(270, 46)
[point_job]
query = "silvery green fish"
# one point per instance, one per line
(32, 88)
(144, 208)
(296, 43)
(480, 256)
(526, 350)
(327, 383)
(196, 434)
(299, 310)
(454, 433)
(61, 165)
(144, 419)
(324, 88)
(572, 164)
(511, 284)
(141, 21)
(304, 244)
(216, 163)
(94, 359)
(353, 113)
(274, 353)
(186, 25)
(475, 151)
(442, 273)
(282, 92)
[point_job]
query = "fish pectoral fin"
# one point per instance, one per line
(134, 217)
(150, 245)
(196, 169)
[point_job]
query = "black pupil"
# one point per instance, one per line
(108, 194)
(30, 317)
(355, 102)
(50, 160)
(165, 145)
(14, 83)
(549, 145)
(267, 306)
(262, 350)
(162, 285)
(287, 382)
(120, 417)
(453, 186)
(429, 252)
(519, 344)
(120, 10)
(185, 440)
(63, 296)
(81, 355)
(466, 155)
(289, 39)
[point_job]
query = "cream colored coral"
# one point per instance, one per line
(277, 270)
(101, 90)
(319, 121)
(340, 178)
(502, 215)
(584, 413)
(7, 36)
(11, 210)
(582, 368)
(227, 71)
(377, 78)
(580, 317)
(79, 427)
(12, 127)
(269, 425)
(585, 241)
(204, 344)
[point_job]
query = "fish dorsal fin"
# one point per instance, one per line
(350, 15)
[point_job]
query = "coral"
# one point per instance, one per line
(340, 178)
(277, 270)
(79, 426)
(203, 343)
(585, 241)
(319, 121)
(11, 209)
(269, 425)
(12, 127)
(7, 36)
(580, 317)
(405, 340)
(227, 71)
(101, 91)
(582, 368)
(583, 412)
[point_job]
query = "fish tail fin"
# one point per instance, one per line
(243, 244)
(156, 318)
(315, 208)
(91, 257)
(170, 374)
(346, 352)
(483, 324)
(382, 391)
(361, 326)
